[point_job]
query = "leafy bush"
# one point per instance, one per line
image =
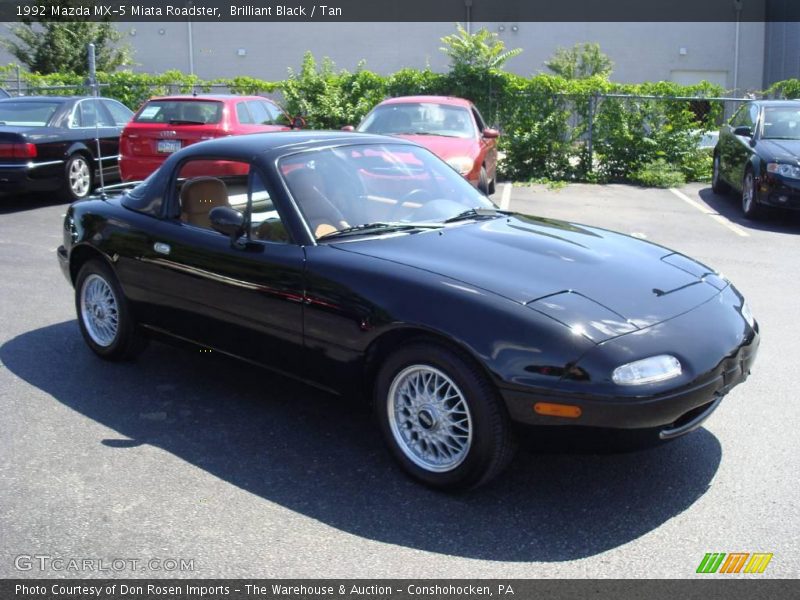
(659, 173)
(788, 89)
(580, 61)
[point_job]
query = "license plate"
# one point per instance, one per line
(168, 146)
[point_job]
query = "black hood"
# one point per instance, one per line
(780, 150)
(558, 268)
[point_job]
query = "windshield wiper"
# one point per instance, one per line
(185, 122)
(424, 133)
(475, 213)
(378, 227)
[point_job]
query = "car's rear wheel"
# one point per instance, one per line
(104, 316)
(750, 208)
(441, 417)
(717, 184)
(77, 178)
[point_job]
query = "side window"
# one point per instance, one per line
(259, 112)
(265, 222)
(742, 117)
(753, 115)
(275, 114)
(88, 113)
(205, 184)
(119, 112)
(478, 119)
(242, 114)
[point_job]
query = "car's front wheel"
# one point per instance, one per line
(104, 316)
(483, 182)
(442, 418)
(750, 208)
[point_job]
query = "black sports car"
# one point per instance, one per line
(758, 155)
(49, 143)
(364, 263)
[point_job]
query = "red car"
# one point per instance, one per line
(451, 128)
(167, 124)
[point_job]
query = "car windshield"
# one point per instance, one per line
(27, 114)
(781, 123)
(419, 118)
(389, 187)
(177, 112)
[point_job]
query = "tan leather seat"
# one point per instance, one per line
(199, 196)
(323, 217)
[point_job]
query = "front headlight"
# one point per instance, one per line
(748, 315)
(647, 370)
(784, 170)
(462, 164)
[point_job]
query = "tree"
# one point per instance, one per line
(481, 50)
(580, 61)
(60, 46)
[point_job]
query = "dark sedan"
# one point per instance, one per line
(50, 143)
(758, 156)
(365, 263)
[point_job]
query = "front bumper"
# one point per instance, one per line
(779, 192)
(719, 350)
(675, 413)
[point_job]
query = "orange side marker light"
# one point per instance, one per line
(551, 409)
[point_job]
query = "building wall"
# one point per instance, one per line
(640, 51)
(782, 53)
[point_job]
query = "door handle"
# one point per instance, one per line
(161, 248)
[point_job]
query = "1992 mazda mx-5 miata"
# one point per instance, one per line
(361, 262)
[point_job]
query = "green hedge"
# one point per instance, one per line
(545, 119)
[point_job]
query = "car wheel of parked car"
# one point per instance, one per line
(750, 209)
(717, 185)
(77, 178)
(442, 417)
(483, 182)
(104, 317)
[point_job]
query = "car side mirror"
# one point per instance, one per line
(490, 133)
(743, 131)
(348, 128)
(298, 122)
(227, 221)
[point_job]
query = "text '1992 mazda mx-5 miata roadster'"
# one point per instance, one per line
(365, 263)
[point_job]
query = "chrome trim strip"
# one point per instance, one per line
(30, 164)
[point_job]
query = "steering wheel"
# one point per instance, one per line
(417, 195)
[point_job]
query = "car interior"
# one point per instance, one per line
(199, 195)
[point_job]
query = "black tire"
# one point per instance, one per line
(491, 445)
(750, 207)
(718, 186)
(492, 187)
(483, 182)
(78, 178)
(126, 341)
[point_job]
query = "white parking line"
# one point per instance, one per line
(505, 200)
(711, 213)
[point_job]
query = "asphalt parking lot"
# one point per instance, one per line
(188, 456)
